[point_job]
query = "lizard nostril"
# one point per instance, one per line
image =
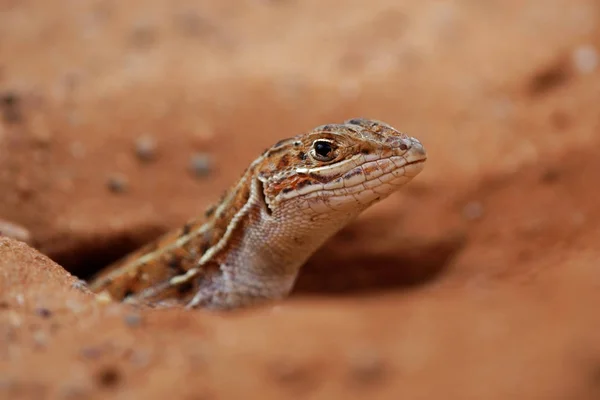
(403, 146)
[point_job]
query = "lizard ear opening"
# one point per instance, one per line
(262, 196)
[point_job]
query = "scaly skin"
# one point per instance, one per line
(249, 247)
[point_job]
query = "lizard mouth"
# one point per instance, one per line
(381, 176)
(419, 161)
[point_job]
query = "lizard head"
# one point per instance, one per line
(340, 167)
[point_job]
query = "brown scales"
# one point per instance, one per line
(169, 268)
(122, 279)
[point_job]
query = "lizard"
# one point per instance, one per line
(248, 248)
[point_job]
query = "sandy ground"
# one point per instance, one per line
(480, 280)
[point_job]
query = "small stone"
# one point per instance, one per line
(23, 186)
(203, 131)
(140, 358)
(92, 353)
(133, 320)
(287, 372)
(145, 148)
(20, 299)
(40, 338)
(201, 164)
(103, 298)
(43, 312)
(144, 36)
(117, 183)
(41, 133)
(473, 210)
(192, 24)
(80, 285)
(14, 231)
(9, 99)
(550, 175)
(549, 77)
(109, 377)
(10, 105)
(366, 367)
(585, 59)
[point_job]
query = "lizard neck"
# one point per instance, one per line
(268, 246)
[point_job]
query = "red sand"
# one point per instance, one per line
(480, 280)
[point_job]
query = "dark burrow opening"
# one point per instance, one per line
(331, 271)
(89, 255)
(334, 272)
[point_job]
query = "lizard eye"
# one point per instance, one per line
(323, 150)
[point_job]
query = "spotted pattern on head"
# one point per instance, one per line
(351, 139)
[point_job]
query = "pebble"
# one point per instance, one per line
(585, 59)
(473, 210)
(140, 358)
(200, 164)
(41, 132)
(145, 148)
(144, 36)
(191, 24)
(80, 285)
(9, 99)
(23, 186)
(14, 231)
(10, 104)
(103, 298)
(40, 338)
(133, 320)
(43, 312)
(550, 175)
(287, 372)
(367, 367)
(109, 377)
(91, 353)
(118, 183)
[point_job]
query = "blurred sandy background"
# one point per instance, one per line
(120, 120)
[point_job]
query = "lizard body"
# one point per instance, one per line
(249, 247)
